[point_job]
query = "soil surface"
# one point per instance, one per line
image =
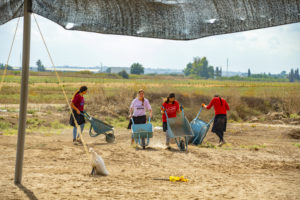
(258, 162)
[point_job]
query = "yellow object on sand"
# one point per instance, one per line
(178, 179)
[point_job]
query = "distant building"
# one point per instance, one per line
(119, 69)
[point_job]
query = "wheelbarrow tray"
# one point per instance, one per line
(179, 127)
(200, 129)
(99, 127)
(142, 132)
(142, 135)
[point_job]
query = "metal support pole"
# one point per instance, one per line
(24, 92)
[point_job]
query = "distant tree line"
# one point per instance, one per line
(201, 68)
(2, 67)
(293, 76)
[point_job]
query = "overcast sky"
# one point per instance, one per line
(265, 50)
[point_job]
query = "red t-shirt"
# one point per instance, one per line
(78, 102)
(219, 109)
(171, 110)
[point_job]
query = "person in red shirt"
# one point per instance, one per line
(171, 106)
(221, 107)
(77, 105)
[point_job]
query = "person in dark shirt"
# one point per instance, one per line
(77, 105)
(221, 107)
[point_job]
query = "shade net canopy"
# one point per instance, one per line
(167, 19)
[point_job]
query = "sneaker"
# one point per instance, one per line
(75, 142)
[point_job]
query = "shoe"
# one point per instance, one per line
(221, 143)
(79, 140)
(168, 148)
(75, 142)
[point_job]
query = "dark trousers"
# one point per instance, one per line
(137, 120)
(220, 134)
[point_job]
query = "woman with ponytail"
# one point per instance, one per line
(77, 105)
(171, 107)
(221, 107)
(137, 110)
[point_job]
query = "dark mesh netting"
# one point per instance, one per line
(168, 19)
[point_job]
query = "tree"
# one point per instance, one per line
(187, 70)
(210, 72)
(40, 66)
(124, 74)
(136, 68)
(283, 74)
(218, 72)
(292, 76)
(249, 73)
(200, 68)
(297, 77)
(108, 70)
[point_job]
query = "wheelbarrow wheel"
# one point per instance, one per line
(110, 138)
(182, 145)
(143, 143)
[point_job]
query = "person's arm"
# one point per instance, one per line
(163, 109)
(75, 108)
(73, 102)
(131, 109)
(178, 110)
(210, 104)
(227, 106)
(150, 113)
(148, 106)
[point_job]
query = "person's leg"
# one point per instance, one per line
(78, 135)
(219, 134)
(74, 133)
(221, 141)
(81, 127)
(167, 139)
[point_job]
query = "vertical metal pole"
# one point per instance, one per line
(227, 68)
(24, 92)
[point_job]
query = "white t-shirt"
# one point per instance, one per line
(139, 108)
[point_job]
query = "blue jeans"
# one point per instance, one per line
(75, 131)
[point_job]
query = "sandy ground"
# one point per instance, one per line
(54, 168)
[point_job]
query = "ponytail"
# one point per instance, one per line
(82, 89)
(219, 98)
(78, 91)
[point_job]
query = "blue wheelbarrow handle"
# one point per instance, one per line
(199, 115)
(86, 115)
(133, 120)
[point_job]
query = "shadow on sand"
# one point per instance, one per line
(28, 192)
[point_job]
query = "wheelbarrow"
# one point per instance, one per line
(200, 129)
(99, 127)
(179, 128)
(142, 132)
